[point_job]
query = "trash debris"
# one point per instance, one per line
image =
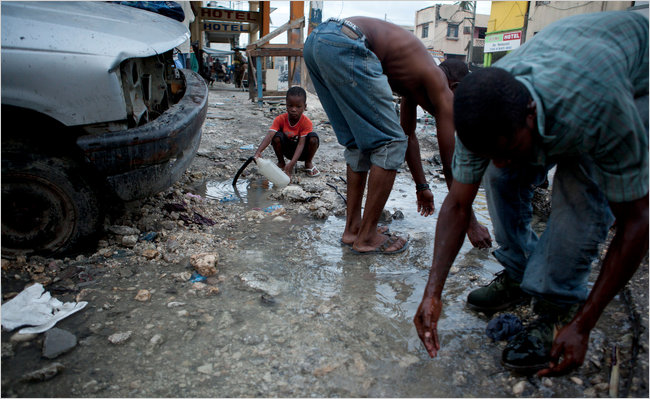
(175, 207)
(197, 278)
(198, 219)
(247, 147)
(229, 198)
(504, 327)
(193, 196)
(272, 208)
(150, 236)
(37, 308)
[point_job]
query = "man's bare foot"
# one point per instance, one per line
(349, 239)
(392, 245)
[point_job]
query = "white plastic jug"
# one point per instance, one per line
(271, 171)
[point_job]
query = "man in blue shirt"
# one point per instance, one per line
(575, 97)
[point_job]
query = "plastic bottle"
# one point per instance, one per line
(271, 171)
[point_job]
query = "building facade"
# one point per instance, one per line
(512, 23)
(448, 31)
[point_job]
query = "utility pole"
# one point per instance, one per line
(471, 37)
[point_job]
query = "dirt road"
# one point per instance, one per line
(280, 308)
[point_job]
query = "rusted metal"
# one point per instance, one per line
(142, 161)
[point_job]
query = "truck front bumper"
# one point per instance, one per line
(146, 160)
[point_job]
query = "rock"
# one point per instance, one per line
(547, 382)
(57, 342)
(398, 215)
(156, 340)
(129, 241)
(254, 215)
(18, 337)
(123, 230)
(205, 263)
(119, 338)
(44, 374)
(143, 296)
(175, 304)
(7, 349)
(183, 313)
(205, 369)
(385, 216)
(150, 253)
(294, 193)
(261, 282)
(183, 276)
(518, 388)
(577, 380)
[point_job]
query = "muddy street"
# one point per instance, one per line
(205, 290)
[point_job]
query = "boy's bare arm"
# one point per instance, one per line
(265, 143)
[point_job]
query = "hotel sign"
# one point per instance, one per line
(221, 14)
(225, 27)
(504, 41)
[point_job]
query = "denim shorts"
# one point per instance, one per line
(356, 96)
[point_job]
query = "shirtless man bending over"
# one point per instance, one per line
(356, 64)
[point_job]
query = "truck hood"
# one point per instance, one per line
(111, 31)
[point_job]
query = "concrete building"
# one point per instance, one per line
(511, 23)
(446, 30)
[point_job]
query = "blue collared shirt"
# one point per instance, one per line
(584, 73)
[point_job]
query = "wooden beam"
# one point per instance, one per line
(270, 36)
(275, 52)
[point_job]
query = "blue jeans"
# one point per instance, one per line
(556, 265)
(356, 96)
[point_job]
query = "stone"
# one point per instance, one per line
(518, 388)
(57, 342)
(18, 337)
(123, 230)
(119, 338)
(205, 263)
(205, 369)
(156, 340)
(43, 374)
(129, 241)
(143, 296)
(577, 380)
(7, 349)
(150, 253)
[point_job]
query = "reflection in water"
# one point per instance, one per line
(360, 307)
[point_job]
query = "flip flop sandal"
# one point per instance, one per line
(385, 232)
(312, 172)
(382, 249)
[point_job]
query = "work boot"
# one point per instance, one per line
(502, 293)
(529, 350)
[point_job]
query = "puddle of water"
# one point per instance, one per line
(348, 304)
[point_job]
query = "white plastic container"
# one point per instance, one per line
(271, 171)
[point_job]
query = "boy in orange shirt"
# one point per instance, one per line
(291, 135)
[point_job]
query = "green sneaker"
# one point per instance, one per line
(502, 293)
(529, 350)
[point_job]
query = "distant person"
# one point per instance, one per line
(239, 64)
(576, 97)
(292, 135)
(356, 64)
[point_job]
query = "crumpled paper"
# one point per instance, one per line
(34, 307)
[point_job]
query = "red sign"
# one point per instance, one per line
(512, 36)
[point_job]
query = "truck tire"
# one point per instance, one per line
(48, 205)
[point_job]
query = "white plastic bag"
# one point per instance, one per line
(34, 307)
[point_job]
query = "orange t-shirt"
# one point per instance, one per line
(300, 129)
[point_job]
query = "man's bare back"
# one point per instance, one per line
(408, 65)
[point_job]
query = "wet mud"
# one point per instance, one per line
(283, 309)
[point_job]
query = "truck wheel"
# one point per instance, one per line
(48, 206)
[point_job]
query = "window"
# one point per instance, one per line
(452, 31)
(467, 30)
(425, 31)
